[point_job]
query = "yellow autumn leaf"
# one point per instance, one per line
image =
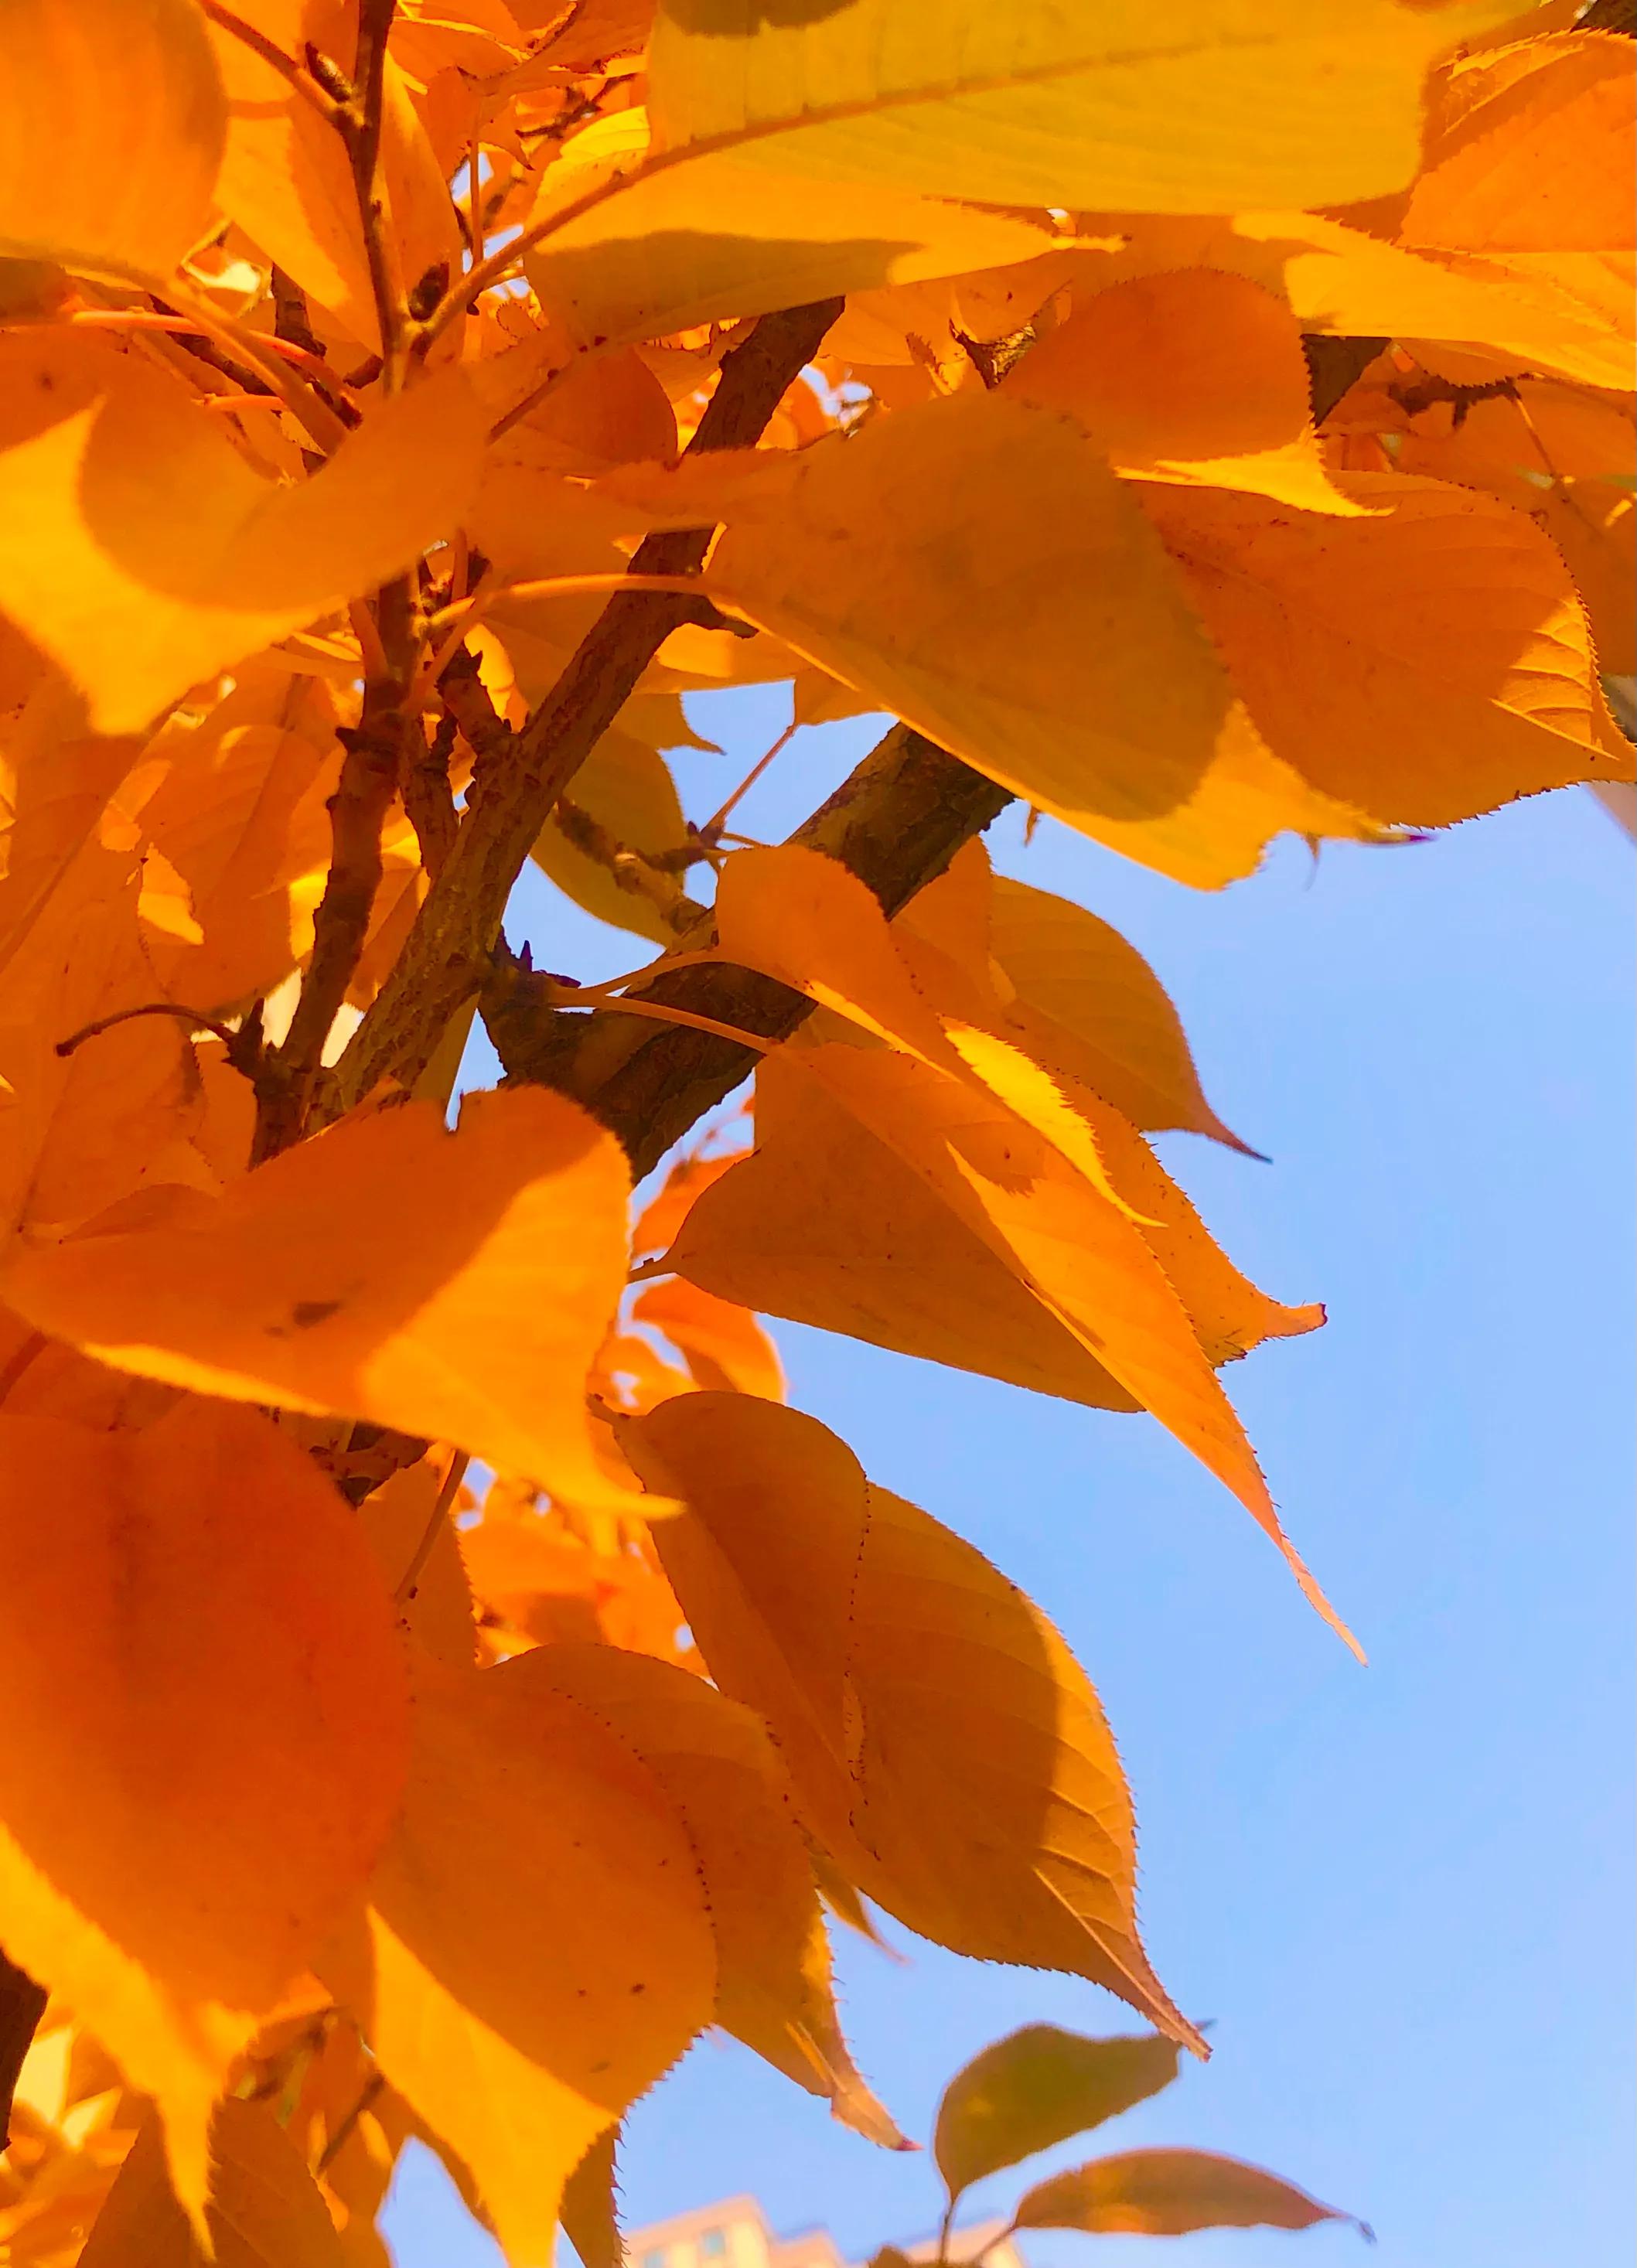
(800, 917)
(1529, 151)
(716, 1764)
(142, 553)
(203, 1734)
(1197, 377)
(263, 2209)
(722, 1345)
(1444, 665)
(454, 1285)
(81, 1132)
(540, 1947)
(241, 818)
(112, 124)
(818, 1228)
(625, 789)
(1115, 1029)
(966, 1781)
(824, 1224)
(1337, 278)
(1035, 105)
(56, 779)
(285, 178)
(397, 1518)
(976, 566)
(717, 238)
(1558, 453)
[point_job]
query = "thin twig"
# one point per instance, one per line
(193, 1017)
(713, 826)
(344, 2132)
(424, 1549)
(357, 810)
(516, 784)
(271, 53)
(360, 124)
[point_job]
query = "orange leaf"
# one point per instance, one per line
(141, 552)
(263, 2209)
(723, 1344)
(923, 1276)
(539, 1945)
(112, 120)
(717, 1765)
(1169, 2193)
(203, 1734)
(454, 1285)
(942, 1742)
(1195, 377)
(1444, 665)
(286, 180)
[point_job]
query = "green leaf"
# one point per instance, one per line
(1037, 2088)
(1169, 2193)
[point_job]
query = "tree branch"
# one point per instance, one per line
(517, 780)
(22, 2004)
(358, 811)
(896, 823)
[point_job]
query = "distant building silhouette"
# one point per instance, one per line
(734, 2232)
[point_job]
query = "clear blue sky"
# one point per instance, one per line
(1403, 1893)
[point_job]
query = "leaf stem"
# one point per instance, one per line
(271, 53)
(423, 1549)
(232, 1039)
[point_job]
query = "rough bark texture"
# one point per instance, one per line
(517, 780)
(896, 823)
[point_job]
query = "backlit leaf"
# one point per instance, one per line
(141, 552)
(1444, 665)
(942, 1742)
(539, 1945)
(717, 1766)
(80, 1133)
(454, 1285)
(1035, 105)
(263, 2209)
(1167, 2193)
(626, 790)
(717, 237)
(1097, 990)
(1034, 2089)
(203, 1734)
(590, 2220)
(285, 178)
(112, 123)
(977, 567)
(1527, 151)
(1196, 377)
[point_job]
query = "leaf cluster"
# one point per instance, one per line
(439, 1675)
